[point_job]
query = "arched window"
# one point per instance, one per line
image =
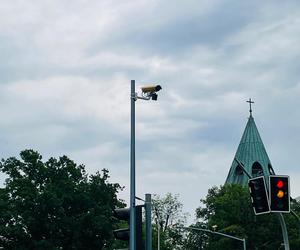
(271, 170)
(257, 169)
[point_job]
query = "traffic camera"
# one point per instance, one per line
(151, 92)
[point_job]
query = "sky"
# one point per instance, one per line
(65, 72)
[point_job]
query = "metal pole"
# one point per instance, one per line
(284, 232)
(158, 228)
(244, 244)
(158, 236)
(132, 240)
(148, 222)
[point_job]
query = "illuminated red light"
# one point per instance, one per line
(280, 184)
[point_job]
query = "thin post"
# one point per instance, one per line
(148, 222)
(158, 228)
(132, 240)
(284, 232)
(158, 236)
(244, 244)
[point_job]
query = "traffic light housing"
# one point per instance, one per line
(279, 186)
(122, 214)
(259, 195)
(124, 234)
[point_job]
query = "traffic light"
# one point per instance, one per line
(259, 196)
(279, 193)
(124, 234)
(122, 214)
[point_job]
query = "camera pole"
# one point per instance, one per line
(132, 169)
(147, 94)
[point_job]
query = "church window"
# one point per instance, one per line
(257, 169)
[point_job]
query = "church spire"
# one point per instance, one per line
(251, 153)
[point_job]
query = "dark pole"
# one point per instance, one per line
(148, 222)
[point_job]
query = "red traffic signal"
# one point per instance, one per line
(279, 186)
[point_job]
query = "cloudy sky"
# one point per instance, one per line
(65, 71)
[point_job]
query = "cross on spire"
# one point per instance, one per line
(250, 102)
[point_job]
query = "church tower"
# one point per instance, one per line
(251, 156)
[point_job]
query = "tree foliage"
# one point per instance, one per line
(196, 240)
(55, 205)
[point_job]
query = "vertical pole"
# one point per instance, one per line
(132, 241)
(158, 229)
(158, 237)
(148, 222)
(244, 244)
(284, 232)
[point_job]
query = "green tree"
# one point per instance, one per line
(168, 215)
(229, 208)
(194, 239)
(293, 225)
(55, 205)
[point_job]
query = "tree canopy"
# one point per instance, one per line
(55, 204)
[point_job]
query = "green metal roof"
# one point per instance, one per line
(251, 153)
